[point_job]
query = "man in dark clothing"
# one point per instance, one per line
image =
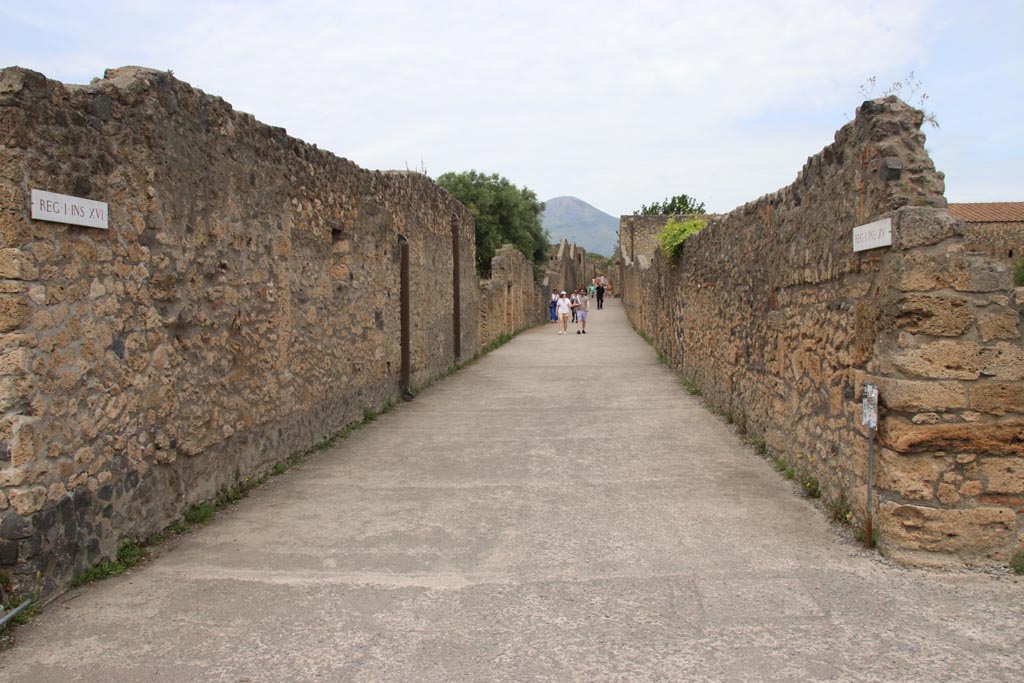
(600, 295)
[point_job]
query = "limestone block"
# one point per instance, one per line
(920, 226)
(949, 359)
(1004, 475)
(1001, 325)
(911, 476)
(14, 312)
(915, 396)
(27, 443)
(941, 316)
(17, 265)
(947, 494)
(919, 272)
(972, 487)
(15, 362)
(997, 398)
(999, 438)
(942, 360)
(1004, 360)
(968, 532)
(26, 501)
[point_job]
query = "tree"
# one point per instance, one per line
(504, 214)
(680, 204)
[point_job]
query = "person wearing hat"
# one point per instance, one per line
(564, 306)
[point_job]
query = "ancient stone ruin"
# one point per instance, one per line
(780, 323)
(245, 303)
(253, 295)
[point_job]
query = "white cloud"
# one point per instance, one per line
(617, 104)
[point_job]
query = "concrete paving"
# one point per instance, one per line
(559, 511)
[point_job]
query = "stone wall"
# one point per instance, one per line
(510, 301)
(567, 269)
(243, 305)
(779, 322)
(638, 237)
(999, 240)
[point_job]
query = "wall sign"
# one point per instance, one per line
(869, 413)
(62, 208)
(873, 235)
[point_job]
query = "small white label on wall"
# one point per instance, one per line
(873, 235)
(62, 208)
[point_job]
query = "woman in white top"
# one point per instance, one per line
(564, 306)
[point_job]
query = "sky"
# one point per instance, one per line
(619, 104)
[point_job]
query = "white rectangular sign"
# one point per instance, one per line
(873, 235)
(62, 208)
(869, 410)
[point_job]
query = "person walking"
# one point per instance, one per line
(600, 294)
(574, 300)
(592, 289)
(564, 306)
(581, 312)
(554, 303)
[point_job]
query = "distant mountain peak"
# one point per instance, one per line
(580, 222)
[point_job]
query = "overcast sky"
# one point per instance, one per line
(619, 104)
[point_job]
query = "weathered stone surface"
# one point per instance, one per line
(919, 227)
(1006, 438)
(8, 553)
(911, 476)
(913, 396)
(27, 501)
(971, 534)
(997, 398)
(923, 272)
(1004, 324)
(14, 312)
(950, 359)
(943, 316)
(17, 265)
(1004, 475)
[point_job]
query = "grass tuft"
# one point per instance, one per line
(128, 555)
(691, 388)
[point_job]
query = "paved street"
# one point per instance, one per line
(559, 511)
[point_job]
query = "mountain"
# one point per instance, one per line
(579, 222)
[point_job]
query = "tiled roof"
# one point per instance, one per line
(989, 212)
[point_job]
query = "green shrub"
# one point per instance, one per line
(672, 236)
(1017, 563)
(1018, 272)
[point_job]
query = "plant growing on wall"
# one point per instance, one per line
(674, 234)
(910, 90)
(1018, 272)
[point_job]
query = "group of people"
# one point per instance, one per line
(576, 306)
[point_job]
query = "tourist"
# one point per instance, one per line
(600, 294)
(564, 305)
(592, 289)
(581, 312)
(554, 302)
(575, 300)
